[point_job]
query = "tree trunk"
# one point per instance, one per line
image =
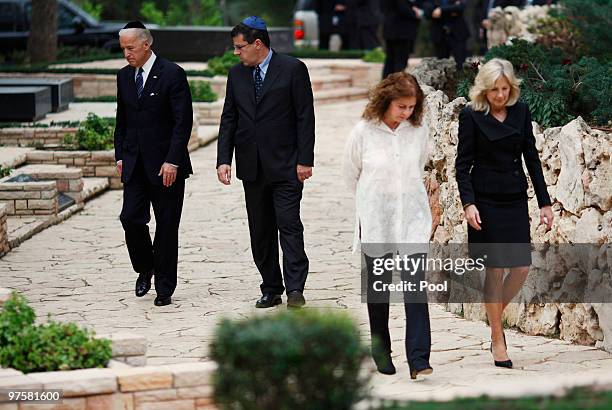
(42, 42)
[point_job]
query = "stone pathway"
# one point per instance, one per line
(79, 270)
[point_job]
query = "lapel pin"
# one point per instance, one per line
(152, 94)
(154, 76)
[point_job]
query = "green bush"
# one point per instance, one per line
(375, 56)
(292, 360)
(221, 65)
(202, 92)
(93, 134)
(47, 347)
(5, 171)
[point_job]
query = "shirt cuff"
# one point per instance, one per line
(175, 166)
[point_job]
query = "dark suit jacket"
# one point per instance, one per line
(400, 21)
(280, 129)
(489, 154)
(452, 21)
(363, 13)
(158, 125)
(326, 12)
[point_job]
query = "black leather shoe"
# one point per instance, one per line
(268, 300)
(384, 364)
(426, 371)
(507, 364)
(143, 283)
(162, 300)
(295, 299)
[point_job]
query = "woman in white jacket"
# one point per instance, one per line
(384, 166)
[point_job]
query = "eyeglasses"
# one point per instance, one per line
(239, 47)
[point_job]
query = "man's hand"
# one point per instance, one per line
(120, 167)
(472, 216)
(546, 217)
(340, 7)
(168, 174)
(304, 172)
(437, 13)
(224, 174)
(486, 24)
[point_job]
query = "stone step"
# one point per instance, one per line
(207, 134)
(330, 81)
(94, 186)
(12, 157)
(340, 95)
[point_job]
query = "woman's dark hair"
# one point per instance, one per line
(396, 85)
(251, 34)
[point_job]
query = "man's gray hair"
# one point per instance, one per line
(142, 33)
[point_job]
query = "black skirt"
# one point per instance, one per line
(505, 235)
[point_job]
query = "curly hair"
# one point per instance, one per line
(396, 85)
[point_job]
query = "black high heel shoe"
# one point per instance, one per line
(501, 363)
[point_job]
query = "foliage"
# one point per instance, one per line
(183, 12)
(5, 171)
(595, 89)
(201, 91)
(95, 133)
(375, 56)
(48, 347)
(591, 19)
(579, 398)
(100, 98)
(91, 7)
(221, 65)
(292, 360)
(558, 32)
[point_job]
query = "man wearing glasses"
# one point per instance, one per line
(268, 120)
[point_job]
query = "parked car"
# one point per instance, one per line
(74, 27)
(305, 24)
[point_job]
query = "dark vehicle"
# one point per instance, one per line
(75, 27)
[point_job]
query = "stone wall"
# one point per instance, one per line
(27, 137)
(170, 387)
(29, 198)
(578, 171)
(4, 242)
(68, 180)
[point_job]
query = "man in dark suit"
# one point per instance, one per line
(363, 19)
(401, 23)
(449, 31)
(330, 15)
(268, 120)
(154, 120)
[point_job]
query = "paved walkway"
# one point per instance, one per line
(79, 270)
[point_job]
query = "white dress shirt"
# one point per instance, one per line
(146, 67)
(385, 170)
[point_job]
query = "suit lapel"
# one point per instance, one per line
(247, 87)
(153, 78)
(131, 85)
(274, 69)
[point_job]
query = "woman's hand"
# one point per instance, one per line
(472, 216)
(546, 217)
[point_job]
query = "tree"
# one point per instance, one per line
(42, 41)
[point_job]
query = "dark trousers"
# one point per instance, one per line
(365, 38)
(418, 332)
(324, 41)
(273, 208)
(397, 52)
(161, 254)
(449, 46)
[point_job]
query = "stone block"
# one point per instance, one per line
(48, 194)
(20, 382)
(9, 406)
(19, 194)
(9, 207)
(88, 171)
(137, 361)
(21, 204)
(66, 404)
(128, 401)
(195, 392)
(65, 161)
(22, 212)
(144, 378)
(192, 374)
(167, 405)
(39, 156)
(115, 183)
(42, 203)
(105, 402)
(126, 344)
(82, 382)
(79, 161)
(106, 171)
(63, 185)
(155, 395)
(103, 156)
(3, 371)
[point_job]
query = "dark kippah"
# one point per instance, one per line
(135, 24)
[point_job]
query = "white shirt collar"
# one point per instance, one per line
(147, 67)
(384, 127)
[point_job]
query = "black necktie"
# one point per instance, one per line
(139, 83)
(258, 83)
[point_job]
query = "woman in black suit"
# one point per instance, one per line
(494, 132)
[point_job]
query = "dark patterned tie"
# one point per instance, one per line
(258, 83)
(139, 83)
